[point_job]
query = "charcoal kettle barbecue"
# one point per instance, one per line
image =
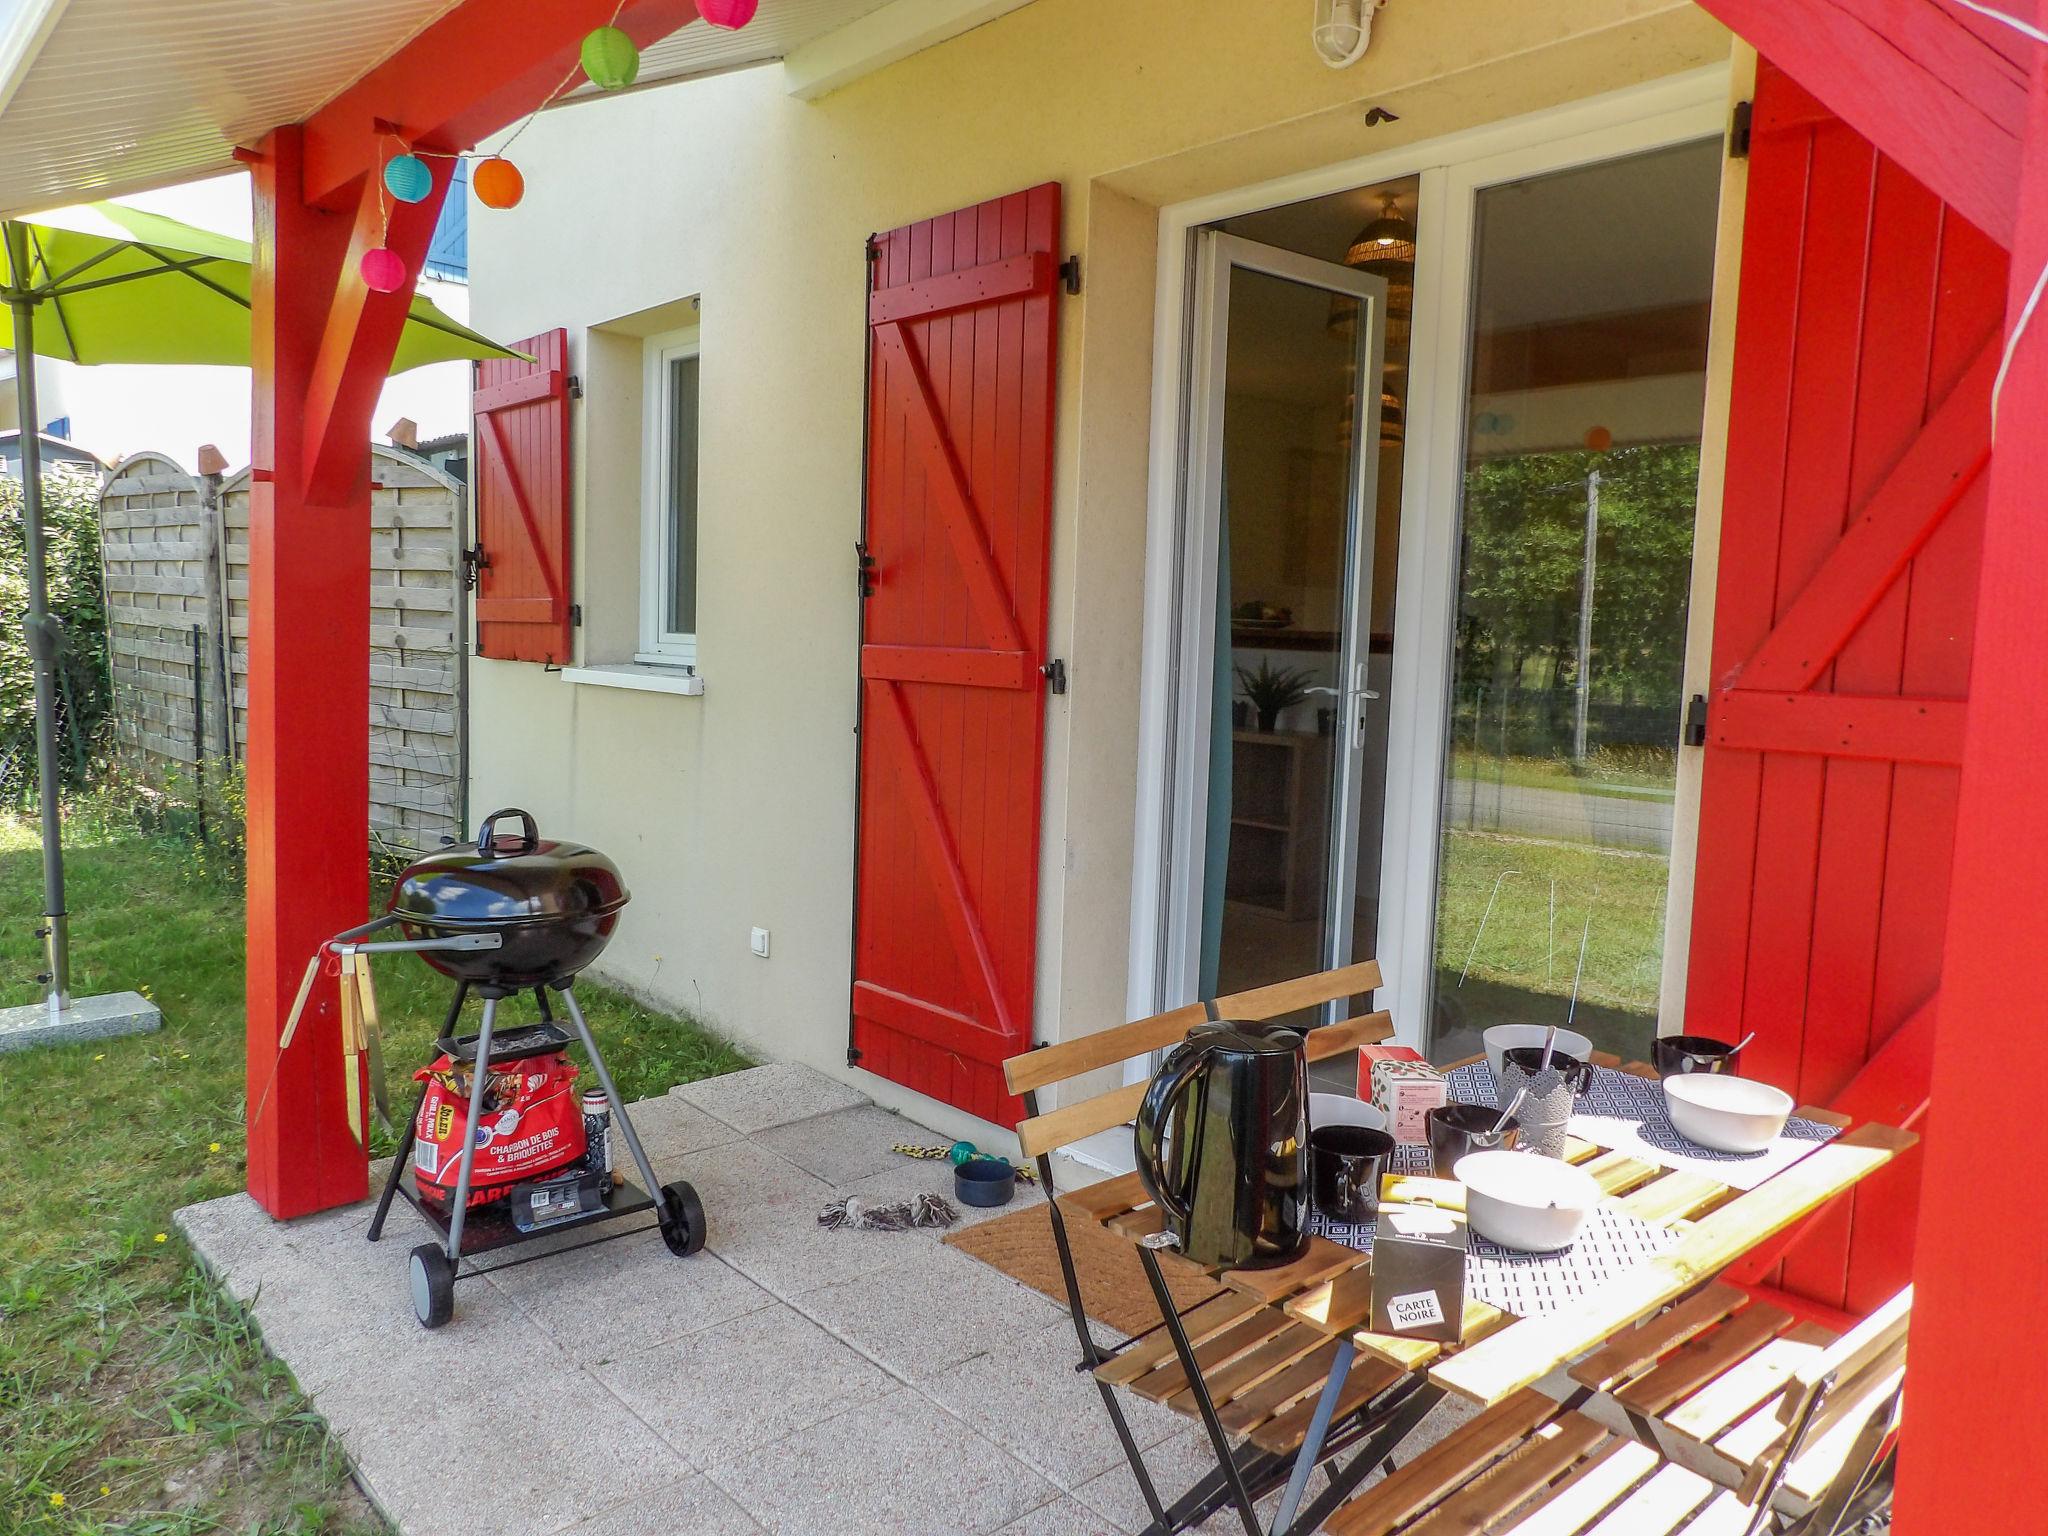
(503, 916)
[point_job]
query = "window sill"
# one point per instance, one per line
(634, 675)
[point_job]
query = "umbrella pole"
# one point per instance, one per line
(42, 636)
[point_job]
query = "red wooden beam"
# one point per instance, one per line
(361, 336)
(1976, 1433)
(1915, 80)
(483, 65)
(309, 707)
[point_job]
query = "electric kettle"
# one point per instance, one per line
(1232, 1176)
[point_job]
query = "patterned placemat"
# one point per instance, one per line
(1528, 1284)
(1627, 1113)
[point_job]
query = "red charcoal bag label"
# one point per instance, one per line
(531, 1123)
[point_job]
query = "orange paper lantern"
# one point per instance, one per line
(1599, 439)
(498, 183)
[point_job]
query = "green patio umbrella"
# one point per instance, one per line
(105, 284)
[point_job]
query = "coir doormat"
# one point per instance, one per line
(1113, 1284)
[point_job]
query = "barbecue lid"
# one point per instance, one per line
(505, 880)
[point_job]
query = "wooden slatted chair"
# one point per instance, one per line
(1721, 1416)
(1257, 1373)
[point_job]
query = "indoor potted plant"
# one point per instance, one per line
(1272, 689)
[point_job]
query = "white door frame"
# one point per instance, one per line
(1216, 255)
(1452, 171)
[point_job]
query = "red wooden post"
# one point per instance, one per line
(1976, 1433)
(322, 344)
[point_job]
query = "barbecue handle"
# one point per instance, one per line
(487, 834)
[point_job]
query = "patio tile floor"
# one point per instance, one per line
(778, 1381)
(789, 1379)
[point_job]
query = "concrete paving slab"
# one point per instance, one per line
(780, 1245)
(739, 1174)
(931, 1310)
(1062, 1517)
(695, 1507)
(671, 1129)
(557, 1446)
(1029, 1399)
(921, 1470)
(728, 1390)
(88, 1018)
(616, 1298)
(761, 1097)
(848, 1144)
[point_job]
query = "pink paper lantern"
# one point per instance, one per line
(383, 270)
(730, 14)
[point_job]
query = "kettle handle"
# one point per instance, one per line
(1148, 1138)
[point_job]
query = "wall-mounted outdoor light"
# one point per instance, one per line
(1343, 30)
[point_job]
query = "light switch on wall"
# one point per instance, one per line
(760, 942)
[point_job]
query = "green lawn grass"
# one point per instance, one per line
(1523, 966)
(1621, 781)
(134, 1397)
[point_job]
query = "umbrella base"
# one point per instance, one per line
(88, 1018)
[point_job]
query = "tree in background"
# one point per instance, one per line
(71, 522)
(1524, 556)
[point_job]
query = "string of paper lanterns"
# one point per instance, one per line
(608, 59)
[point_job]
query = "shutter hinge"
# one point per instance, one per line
(853, 1055)
(1070, 274)
(1055, 672)
(1696, 721)
(1738, 130)
(866, 568)
(474, 563)
(576, 615)
(575, 386)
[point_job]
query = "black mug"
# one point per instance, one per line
(1456, 1129)
(1345, 1162)
(1674, 1055)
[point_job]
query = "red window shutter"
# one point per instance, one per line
(520, 456)
(963, 317)
(1866, 338)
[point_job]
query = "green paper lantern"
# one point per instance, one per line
(610, 59)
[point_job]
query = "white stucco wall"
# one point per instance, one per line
(736, 809)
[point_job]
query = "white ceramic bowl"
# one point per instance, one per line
(1524, 1201)
(1343, 1109)
(1729, 1114)
(1505, 1037)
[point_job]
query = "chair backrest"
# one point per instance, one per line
(1856, 1380)
(1071, 1058)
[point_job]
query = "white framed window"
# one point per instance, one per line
(668, 517)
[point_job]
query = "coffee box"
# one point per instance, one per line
(1418, 1274)
(1368, 1054)
(1405, 1092)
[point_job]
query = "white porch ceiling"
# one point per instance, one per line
(102, 97)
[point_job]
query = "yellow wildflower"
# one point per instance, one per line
(56, 1501)
(161, 1237)
(213, 1146)
(105, 1490)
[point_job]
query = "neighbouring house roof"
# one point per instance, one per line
(124, 95)
(55, 450)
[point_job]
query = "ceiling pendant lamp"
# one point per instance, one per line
(729, 14)
(1386, 246)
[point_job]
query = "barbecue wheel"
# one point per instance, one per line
(433, 1286)
(682, 1219)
